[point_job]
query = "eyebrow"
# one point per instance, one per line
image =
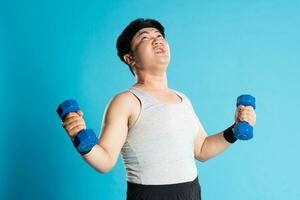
(146, 32)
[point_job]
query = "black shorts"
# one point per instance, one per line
(179, 191)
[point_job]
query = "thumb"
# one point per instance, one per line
(80, 113)
(241, 106)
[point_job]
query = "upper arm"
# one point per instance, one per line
(201, 134)
(199, 140)
(115, 125)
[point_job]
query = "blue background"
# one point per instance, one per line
(55, 50)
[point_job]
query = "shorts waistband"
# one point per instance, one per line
(168, 187)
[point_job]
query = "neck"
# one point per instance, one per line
(152, 81)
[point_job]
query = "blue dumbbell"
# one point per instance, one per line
(86, 139)
(243, 130)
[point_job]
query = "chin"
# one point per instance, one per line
(164, 62)
(164, 59)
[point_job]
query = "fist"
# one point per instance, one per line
(246, 114)
(73, 123)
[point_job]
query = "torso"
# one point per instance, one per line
(166, 97)
(158, 139)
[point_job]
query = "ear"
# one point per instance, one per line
(128, 59)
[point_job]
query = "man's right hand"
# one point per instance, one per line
(73, 123)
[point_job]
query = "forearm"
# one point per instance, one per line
(99, 159)
(212, 146)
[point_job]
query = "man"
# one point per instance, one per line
(154, 127)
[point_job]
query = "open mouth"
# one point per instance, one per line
(159, 50)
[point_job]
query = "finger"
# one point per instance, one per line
(241, 118)
(243, 115)
(69, 115)
(70, 120)
(244, 119)
(236, 115)
(249, 108)
(80, 113)
(74, 124)
(247, 118)
(75, 116)
(241, 107)
(250, 121)
(76, 129)
(248, 112)
(253, 120)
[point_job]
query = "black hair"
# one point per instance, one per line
(124, 40)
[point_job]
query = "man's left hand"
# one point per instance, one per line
(245, 113)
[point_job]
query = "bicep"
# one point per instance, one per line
(114, 128)
(201, 133)
(199, 140)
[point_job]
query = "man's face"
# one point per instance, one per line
(149, 48)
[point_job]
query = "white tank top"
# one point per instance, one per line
(159, 147)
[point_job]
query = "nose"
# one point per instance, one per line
(157, 41)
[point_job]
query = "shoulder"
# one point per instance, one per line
(123, 97)
(123, 101)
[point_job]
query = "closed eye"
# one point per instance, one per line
(146, 36)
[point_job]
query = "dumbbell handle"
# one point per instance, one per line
(243, 130)
(65, 108)
(85, 139)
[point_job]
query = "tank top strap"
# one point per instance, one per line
(146, 100)
(186, 100)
